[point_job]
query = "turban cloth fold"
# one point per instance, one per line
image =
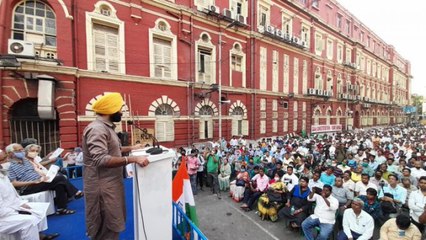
(109, 103)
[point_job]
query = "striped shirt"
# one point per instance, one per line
(22, 172)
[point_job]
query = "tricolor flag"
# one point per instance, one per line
(182, 193)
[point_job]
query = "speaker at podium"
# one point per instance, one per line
(152, 194)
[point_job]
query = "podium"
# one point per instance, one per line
(152, 196)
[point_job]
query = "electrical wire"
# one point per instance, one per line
(139, 201)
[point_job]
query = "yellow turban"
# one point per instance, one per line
(109, 103)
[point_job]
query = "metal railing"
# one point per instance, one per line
(183, 227)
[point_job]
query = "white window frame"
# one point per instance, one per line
(262, 127)
(305, 75)
(96, 17)
(263, 83)
(166, 35)
(275, 72)
(318, 79)
(274, 126)
(339, 53)
(348, 57)
(237, 51)
(287, 23)
(233, 7)
(264, 9)
(202, 121)
(319, 44)
(262, 104)
(296, 76)
(330, 49)
(285, 125)
(203, 4)
(306, 34)
(205, 46)
(169, 132)
(286, 74)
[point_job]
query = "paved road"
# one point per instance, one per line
(223, 219)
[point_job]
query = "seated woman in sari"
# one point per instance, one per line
(237, 187)
(225, 173)
(297, 206)
(271, 201)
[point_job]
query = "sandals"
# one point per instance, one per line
(79, 195)
(64, 211)
(50, 236)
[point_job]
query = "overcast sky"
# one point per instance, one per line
(401, 24)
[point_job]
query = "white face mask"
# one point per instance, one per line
(277, 179)
(32, 154)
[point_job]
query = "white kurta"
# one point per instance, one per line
(13, 222)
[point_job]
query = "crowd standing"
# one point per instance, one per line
(349, 185)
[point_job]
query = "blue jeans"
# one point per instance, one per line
(193, 180)
(310, 223)
(342, 235)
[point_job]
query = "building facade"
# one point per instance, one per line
(193, 70)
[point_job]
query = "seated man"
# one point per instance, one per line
(18, 217)
(417, 202)
(28, 181)
(252, 193)
(372, 205)
(357, 224)
(392, 196)
(399, 228)
(324, 214)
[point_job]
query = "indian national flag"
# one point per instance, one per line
(182, 192)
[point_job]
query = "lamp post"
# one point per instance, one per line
(220, 85)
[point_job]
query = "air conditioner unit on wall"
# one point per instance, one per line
(296, 40)
(21, 48)
(227, 13)
(241, 18)
(320, 92)
(279, 33)
(213, 9)
(270, 29)
(312, 91)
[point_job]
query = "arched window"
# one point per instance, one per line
(34, 21)
(164, 110)
(206, 123)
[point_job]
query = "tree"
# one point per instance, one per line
(417, 101)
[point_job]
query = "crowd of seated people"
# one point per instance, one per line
(24, 172)
(345, 184)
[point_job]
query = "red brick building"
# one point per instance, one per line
(189, 68)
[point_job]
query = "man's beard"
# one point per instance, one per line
(116, 117)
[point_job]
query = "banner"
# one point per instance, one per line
(326, 128)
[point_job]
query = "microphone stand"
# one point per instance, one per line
(155, 149)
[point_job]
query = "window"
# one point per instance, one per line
(339, 21)
(236, 63)
(206, 56)
(318, 79)
(319, 44)
(276, 64)
(263, 68)
(315, 3)
(348, 27)
(106, 48)
(34, 21)
(296, 76)
(239, 8)
(305, 75)
(368, 41)
(286, 74)
(361, 36)
(263, 16)
(164, 124)
(274, 126)
(348, 55)
(330, 47)
(306, 32)
(262, 104)
(262, 126)
(162, 58)
(339, 53)
(294, 125)
(206, 123)
(105, 40)
(287, 24)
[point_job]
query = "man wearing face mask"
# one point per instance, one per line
(103, 170)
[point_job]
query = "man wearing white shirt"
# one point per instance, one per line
(290, 179)
(357, 224)
(417, 203)
(347, 181)
(362, 186)
(417, 171)
(315, 181)
(324, 214)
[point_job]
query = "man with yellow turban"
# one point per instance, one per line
(103, 172)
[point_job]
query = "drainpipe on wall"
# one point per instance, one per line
(75, 62)
(253, 70)
(3, 6)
